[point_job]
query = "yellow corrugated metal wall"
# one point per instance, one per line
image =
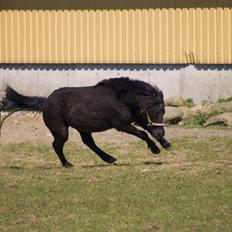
(109, 31)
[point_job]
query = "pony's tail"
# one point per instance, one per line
(13, 101)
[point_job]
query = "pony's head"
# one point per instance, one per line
(150, 109)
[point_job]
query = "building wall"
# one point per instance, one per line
(109, 31)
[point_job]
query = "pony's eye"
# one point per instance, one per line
(158, 108)
(144, 94)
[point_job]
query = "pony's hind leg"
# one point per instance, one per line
(88, 140)
(59, 130)
(58, 144)
(60, 134)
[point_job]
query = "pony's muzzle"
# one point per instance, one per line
(158, 132)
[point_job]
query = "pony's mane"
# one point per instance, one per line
(124, 84)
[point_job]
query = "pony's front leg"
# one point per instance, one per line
(164, 143)
(140, 134)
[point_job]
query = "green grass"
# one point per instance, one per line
(186, 189)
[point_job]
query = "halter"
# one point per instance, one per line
(150, 123)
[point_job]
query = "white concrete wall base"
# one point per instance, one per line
(199, 82)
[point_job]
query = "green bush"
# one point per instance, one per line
(220, 100)
(198, 119)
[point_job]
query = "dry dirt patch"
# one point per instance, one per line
(30, 127)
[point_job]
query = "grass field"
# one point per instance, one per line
(186, 189)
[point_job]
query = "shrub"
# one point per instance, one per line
(189, 103)
(198, 119)
(220, 100)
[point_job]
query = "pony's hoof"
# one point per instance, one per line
(111, 160)
(166, 145)
(155, 150)
(67, 165)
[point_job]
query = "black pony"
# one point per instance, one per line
(113, 103)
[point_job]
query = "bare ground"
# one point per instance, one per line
(30, 127)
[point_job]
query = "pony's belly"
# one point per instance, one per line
(91, 126)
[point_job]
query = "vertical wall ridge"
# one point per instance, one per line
(164, 34)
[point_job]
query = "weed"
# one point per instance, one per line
(189, 103)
